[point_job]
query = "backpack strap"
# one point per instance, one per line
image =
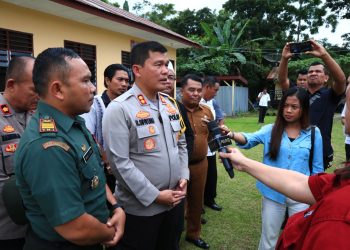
(311, 156)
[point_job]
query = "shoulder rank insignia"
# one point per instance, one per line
(5, 109)
(60, 144)
(142, 114)
(162, 99)
(8, 129)
(11, 148)
(47, 125)
(141, 99)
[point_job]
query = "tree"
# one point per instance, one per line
(282, 18)
(110, 3)
(126, 5)
(187, 22)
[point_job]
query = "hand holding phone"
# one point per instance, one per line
(297, 48)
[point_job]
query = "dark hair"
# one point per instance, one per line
(210, 81)
(110, 71)
(140, 52)
(192, 77)
(280, 123)
(52, 61)
(302, 72)
(325, 69)
(342, 174)
(16, 67)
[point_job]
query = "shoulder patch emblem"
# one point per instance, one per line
(141, 99)
(5, 109)
(143, 114)
(60, 144)
(47, 126)
(11, 148)
(8, 129)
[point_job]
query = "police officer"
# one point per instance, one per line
(16, 103)
(58, 166)
(149, 159)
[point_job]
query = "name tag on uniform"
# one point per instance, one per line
(87, 155)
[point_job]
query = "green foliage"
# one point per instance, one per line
(110, 3)
(126, 5)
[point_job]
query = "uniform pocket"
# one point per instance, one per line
(8, 150)
(176, 127)
(148, 139)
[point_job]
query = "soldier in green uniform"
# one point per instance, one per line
(58, 165)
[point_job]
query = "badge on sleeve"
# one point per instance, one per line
(149, 144)
(60, 144)
(5, 109)
(47, 125)
(8, 129)
(141, 99)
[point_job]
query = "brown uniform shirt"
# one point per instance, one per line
(200, 131)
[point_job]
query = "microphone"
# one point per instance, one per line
(219, 143)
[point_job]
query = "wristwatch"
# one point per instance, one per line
(115, 206)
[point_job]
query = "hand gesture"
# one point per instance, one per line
(236, 157)
(286, 54)
(118, 222)
(317, 49)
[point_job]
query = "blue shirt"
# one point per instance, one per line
(293, 155)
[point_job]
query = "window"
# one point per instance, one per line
(126, 59)
(87, 53)
(13, 43)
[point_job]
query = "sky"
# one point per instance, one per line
(334, 38)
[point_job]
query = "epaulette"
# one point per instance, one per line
(124, 96)
(47, 125)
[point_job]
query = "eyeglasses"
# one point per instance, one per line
(293, 107)
(171, 78)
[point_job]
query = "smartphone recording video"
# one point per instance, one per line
(297, 48)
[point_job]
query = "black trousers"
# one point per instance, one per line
(262, 113)
(158, 232)
(210, 185)
(14, 244)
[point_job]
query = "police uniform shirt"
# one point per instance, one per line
(59, 172)
(11, 130)
(144, 149)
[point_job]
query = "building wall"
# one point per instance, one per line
(51, 31)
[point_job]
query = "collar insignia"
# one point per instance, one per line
(5, 109)
(162, 99)
(141, 99)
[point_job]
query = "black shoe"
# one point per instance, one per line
(203, 221)
(199, 243)
(214, 206)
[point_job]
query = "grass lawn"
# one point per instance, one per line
(238, 225)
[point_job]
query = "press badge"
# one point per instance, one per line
(87, 155)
